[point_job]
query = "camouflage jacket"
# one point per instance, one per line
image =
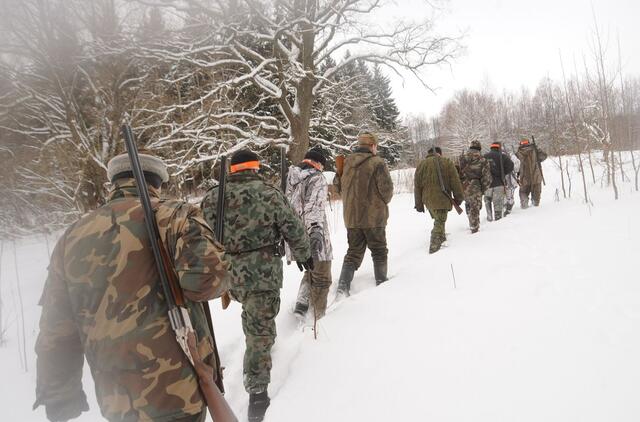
(308, 193)
(257, 217)
(475, 173)
(103, 299)
(530, 173)
(427, 189)
(366, 188)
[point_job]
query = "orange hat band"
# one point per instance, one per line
(495, 145)
(313, 164)
(249, 165)
(524, 142)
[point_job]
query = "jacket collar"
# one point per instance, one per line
(126, 188)
(243, 176)
(361, 149)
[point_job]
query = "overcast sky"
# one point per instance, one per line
(515, 43)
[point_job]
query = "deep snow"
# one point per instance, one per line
(541, 326)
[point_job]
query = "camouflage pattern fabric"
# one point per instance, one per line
(427, 189)
(512, 184)
(103, 299)
(366, 188)
(308, 193)
(494, 199)
(257, 217)
(476, 179)
(438, 235)
(359, 239)
(259, 311)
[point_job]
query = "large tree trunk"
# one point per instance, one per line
(304, 93)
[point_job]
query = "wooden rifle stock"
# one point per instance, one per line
(340, 165)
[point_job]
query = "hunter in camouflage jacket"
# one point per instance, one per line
(103, 300)
(257, 217)
(475, 174)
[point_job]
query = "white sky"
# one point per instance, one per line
(515, 43)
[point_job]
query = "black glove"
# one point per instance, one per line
(316, 239)
(306, 265)
(420, 208)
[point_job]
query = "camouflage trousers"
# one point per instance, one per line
(314, 287)
(259, 311)
(438, 233)
(494, 201)
(512, 184)
(534, 190)
(473, 205)
(360, 239)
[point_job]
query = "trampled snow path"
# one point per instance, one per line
(541, 327)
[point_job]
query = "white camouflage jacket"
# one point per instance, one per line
(307, 191)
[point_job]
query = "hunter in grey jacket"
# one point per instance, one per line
(307, 191)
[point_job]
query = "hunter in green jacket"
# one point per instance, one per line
(428, 192)
(366, 188)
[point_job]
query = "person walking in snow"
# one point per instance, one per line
(501, 168)
(428, 192)
(475, 173)
(102, 300)
(511, 185)
(366, 188)
(530, 157)
(308, 192)
(257, 217)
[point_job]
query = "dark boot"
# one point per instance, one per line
(258, 404)
(497, 216)
(380, 272)
(508, 210)
(346, 276)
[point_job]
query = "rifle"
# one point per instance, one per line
(535, 151)
(178, 315)
(504, 182)
(219, 229)
(443, 189)
(173, 294)
(283, 188)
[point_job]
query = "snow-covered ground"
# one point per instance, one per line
(541, 325)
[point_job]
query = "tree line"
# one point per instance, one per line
(593, 115)
(195, 79)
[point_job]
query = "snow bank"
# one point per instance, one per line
(540, 326)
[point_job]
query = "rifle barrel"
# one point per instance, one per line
(149, 216)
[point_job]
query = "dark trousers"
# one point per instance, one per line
(360, 239)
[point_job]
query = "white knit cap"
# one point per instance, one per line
(120, 163)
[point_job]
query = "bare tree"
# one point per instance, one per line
(278, 48)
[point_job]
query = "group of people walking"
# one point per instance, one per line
(102, 299)
(440, 185)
